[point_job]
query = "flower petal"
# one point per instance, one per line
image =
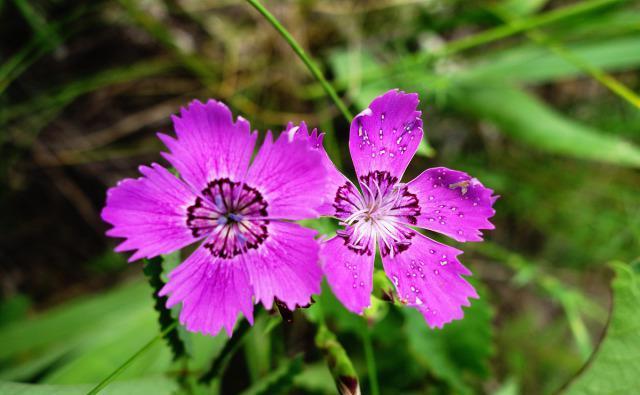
(290, 176)
(453, 203)
(209, 144)
(285, 266)
(427, 276)
(334, 179)
(386, 135)
(212, 291)
(349, 271)
(150, 212)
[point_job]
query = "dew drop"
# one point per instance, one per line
(431, 197)
(443, 262)
(436, 272)
(432, 251)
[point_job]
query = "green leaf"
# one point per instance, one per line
(156, 385)
(153, 271)
(526, 119)
(615, 367)
(533, 64)
(458, 353)
(224, 356)
(279, 381)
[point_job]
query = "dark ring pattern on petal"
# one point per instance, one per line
(232, 214)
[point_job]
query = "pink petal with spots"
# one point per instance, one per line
(334, 179)
(291, 177)
(285, 266)
(212, 291)
(385, 136)
(428, 276)
(349, 272)
(209, 144)
(150, 213)
(453, 203)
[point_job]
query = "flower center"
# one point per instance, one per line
(232, 214)
(378, 212)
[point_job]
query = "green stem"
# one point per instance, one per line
(510, 29)
(304, 57)
(371, 360)
(485, 37)
(132, 358)
(561, 51)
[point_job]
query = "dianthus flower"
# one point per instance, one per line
(385, 212)
(239, 209)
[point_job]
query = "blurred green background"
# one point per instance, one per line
(533, 97)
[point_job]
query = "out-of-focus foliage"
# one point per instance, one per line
(85, 85)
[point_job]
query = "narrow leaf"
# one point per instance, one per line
(525, 118)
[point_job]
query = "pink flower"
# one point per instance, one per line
(237, 210)
(427, 274)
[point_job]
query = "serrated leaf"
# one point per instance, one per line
(460, 351)
(615, 367)
(153, 271)
(528, 120)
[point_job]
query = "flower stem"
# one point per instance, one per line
(313, 68)
(370, 360)
(132, 358)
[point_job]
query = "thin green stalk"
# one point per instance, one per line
(522, 25)
(370, 360)
(485, 37)
(132, 358)
(561, 51)
(38, 23)
(596, 73)
(304, 57)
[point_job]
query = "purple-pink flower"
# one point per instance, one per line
(385, 212)
(237, 208)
